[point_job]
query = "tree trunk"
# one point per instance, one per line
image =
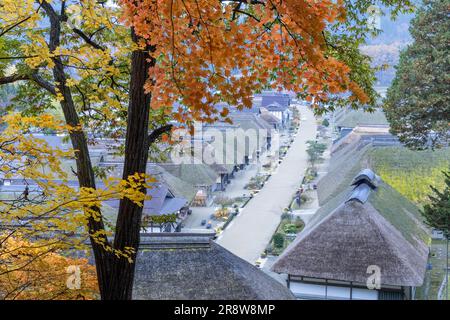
(86, 178)
(136, 154)
(115, 275)
(85, 172)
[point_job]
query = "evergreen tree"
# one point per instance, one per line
(418, 102)
(437, 213)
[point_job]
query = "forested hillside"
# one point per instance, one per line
(384, 49)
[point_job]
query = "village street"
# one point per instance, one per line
(250, 232)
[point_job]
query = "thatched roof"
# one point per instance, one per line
(360, 227)
(352, 118)
(162, 201)
(177, 186)
(275, 107)
(250, 121)
(343, 167)
(230, 154)
(269, 117)
(375, 134)
(198, 175)
(191, 266)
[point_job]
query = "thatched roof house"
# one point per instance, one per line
(162, 201)
(248, 121)
(178, 187)
(198, 175)
(191, 266)
(349, 118)
(270, 118)
(254, 123)
(367, 224)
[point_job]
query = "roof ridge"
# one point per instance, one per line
(365, 181)
(174, 240)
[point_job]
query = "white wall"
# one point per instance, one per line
(318, 291)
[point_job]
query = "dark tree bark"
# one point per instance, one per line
(128, 223)
(85, 172)
(115, 275)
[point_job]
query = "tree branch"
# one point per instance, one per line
(87, 39)
(152, 137)
(237, 10)
(33, 77)
(17, 57)
(14, 25)
(43, 83)
(13, 78)
(4, 31)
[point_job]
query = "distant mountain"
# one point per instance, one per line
(393, 30)
(385, 48)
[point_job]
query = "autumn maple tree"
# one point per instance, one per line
(125, 69)
(32, 272)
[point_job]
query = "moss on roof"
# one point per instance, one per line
(352, 118)
(343, 167)
(411, 172)
(179, 187)
(349, 236)
(334, 188)
(400, 212)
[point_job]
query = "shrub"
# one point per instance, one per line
(223, 201)
(315, 151)
(299, 223)
(222, 213)
(278, 240)
(256, 182)
(304, 198)
(290, 228)
(325, 122)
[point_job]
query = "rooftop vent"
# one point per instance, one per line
(365, 181)
(366, 176)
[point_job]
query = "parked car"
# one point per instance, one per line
(203, 222)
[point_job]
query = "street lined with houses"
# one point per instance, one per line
(253, 228)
